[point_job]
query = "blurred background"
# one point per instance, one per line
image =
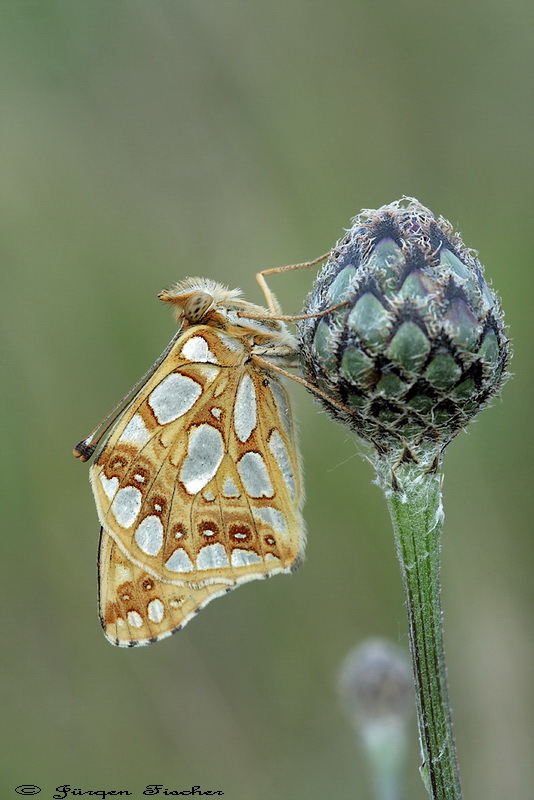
(143, 142)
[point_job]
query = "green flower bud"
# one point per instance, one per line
(420, 347)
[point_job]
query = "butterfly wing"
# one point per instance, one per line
(137, 609)
(198, 488)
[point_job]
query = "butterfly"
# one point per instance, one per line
(198, 486)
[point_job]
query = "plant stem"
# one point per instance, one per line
(415, 506)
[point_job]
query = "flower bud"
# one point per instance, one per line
(420, 346)
(376, 692)
(376, 683)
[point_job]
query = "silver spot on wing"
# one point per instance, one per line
(212, 556)
(279, 451)
(135, 432)
(126, 506)
(253, 473)
(156, 610)
(109, 485)
(282, 404)
(149, 535)
(230, 489)
(175, 395)
(245, 408)
(179, 561)
(272, 517)
(197, 349)
(244, 558)
(205, 452)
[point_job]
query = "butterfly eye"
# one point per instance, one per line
(197, 306)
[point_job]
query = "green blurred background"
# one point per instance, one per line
(146, 141)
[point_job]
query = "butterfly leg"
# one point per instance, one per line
(285, 354)
(272, 303)
(267, 365)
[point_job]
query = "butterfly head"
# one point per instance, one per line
(201, 301)
(196, 300)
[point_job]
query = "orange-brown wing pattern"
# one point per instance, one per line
(197, 488)
(135, 608)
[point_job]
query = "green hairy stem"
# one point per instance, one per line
(415, 505)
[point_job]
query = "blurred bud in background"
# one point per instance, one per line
(375, 688)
